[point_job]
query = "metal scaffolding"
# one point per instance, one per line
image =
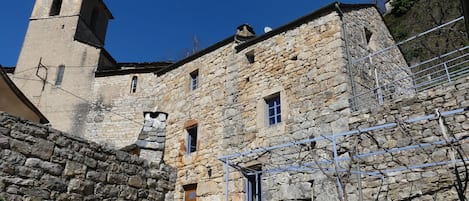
(336, 163)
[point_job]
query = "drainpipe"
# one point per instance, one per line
(349, 58)
(352, 81)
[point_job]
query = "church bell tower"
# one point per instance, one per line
(63, 47)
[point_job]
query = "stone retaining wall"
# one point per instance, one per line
(422, 183)
(40, 163)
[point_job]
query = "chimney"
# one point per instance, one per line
(244, 32)
(151, 140)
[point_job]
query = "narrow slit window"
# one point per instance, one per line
(134, 83)
(273, 107)
(194, 79)
(368, 35)
(60, 75)
(192, 139)
(254, 185)
(55, 8)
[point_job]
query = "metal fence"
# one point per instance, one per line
(416, 78)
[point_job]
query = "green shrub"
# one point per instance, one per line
(400, 7)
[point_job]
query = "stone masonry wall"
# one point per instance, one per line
(40, 163)
(306, 65)
(430, 183)
(367, 34)
(421, 170)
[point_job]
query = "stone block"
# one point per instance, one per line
(69, 197)
(79, 186)
(122, 156)
(4, 131)
(20, 146)
(28, 172)
(18, 181)
(137, 181)
(51, 168)
(96, 176)
(207, 188)
(75, 169)
(156, 174)
(128, 193)
(156, 139)
(53, 183)
(43, 149)
(35, 194)
(117, 178)
(107, 190)
(142, 193)
(63, 141)
(92, 163)
(13, 189)
(4, 142)
(150, 145)
(155, 195)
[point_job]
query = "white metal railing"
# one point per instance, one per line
(416, 78)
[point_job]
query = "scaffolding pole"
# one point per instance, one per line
(227, 178)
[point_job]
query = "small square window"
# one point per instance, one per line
(250, 57)
(273, 108)
(192, 139)
(194, 79)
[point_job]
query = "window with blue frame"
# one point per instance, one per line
(192, 139)
(194, 79)
(274, 113)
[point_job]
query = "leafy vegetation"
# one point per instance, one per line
(400, 7)
(411, 17)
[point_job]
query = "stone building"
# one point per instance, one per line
(62, 48)
(15, 102)
(242, 93)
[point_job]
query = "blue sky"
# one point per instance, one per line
(150, 30)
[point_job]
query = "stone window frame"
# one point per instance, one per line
(262, 113)
(55, 8)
